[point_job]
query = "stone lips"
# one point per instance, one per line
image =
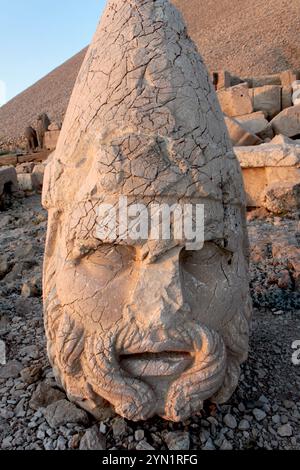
(144, 120)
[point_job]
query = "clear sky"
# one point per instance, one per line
(39, 35)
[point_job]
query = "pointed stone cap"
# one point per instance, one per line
(143, 119)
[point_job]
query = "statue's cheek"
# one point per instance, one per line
(95, 297)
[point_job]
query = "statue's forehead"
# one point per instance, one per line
(82, 221)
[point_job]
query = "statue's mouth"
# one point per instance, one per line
(149, 364)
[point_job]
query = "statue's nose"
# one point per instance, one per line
(158, 297)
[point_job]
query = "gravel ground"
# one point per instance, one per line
(264, 413)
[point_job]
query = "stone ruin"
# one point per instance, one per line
(146, 326)
(262, 115)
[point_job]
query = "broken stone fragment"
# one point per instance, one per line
(267, 99)
(268, 155)
(256, 123)
(239, 134)
(63, 412)
(296, 92)
(11, 370)
(283, 198)
(287, 122)
(31, 374)
(236, 101)
(25, 181)
(178, 440)
(45, 395)
(54, 126)
(93, 440)
(25, 168)
(2, 353)
(284, 140)
(38, 177)
(265, 164)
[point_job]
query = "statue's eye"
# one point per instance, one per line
(210, 258)
(113, 257)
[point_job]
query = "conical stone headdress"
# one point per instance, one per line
(144, 119)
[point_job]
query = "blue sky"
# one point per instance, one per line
(52, 31)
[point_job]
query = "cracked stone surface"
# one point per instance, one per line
(147, 326)
(269, 382)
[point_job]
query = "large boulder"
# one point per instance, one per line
(236, 101)
(287, 122)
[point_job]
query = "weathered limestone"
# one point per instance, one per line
(287, 122)
(8, 160)
(223, 79)
(51, 139)
(287, 78)
(282, 197)
(25, 167)
(54, 126)
(240, 135)
(266, 164)
(256, 123)
(42, 127)
(283, 140)
(286, 97)
(8, 181)
(2, 353)
(269, 155)
(25, 181)
(265, 80)
(236, 101)
(38, 177)
(296, 92)
(267, 99)
(146, 325)
(31, 176)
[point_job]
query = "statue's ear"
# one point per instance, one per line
(54, 217)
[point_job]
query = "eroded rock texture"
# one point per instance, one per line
(148, 326)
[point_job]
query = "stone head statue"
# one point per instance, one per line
(154, 326)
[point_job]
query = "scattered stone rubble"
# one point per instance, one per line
(264, 413)
(263, 120)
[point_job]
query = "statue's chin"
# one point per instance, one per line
(142, 378)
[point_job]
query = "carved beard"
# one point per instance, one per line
(89, 366)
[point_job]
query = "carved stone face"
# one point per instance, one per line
(149, 326)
